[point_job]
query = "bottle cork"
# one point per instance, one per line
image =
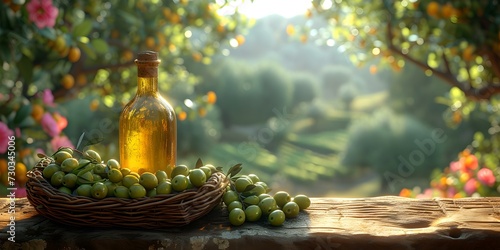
(147, 64)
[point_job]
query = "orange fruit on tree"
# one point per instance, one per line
(20, 171)
(166, 12)
(197, 56)
(433, 9)
(67, 81)
(202, 111)
(220, 28)
(447, 11)
(172, 48)
(37, 112)
(182, 115)
(240, 39)
(74, 54)
(127, 55)
(290, 30)
(175, 18)
(309, 13)
(457, 117)
(150, 42)
(81, 79)
(468, 53)
(303, 38)
(416, 4)
(373, 69)
(3, 166)
(211, 97)
(94, 104)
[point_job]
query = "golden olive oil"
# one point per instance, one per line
(148, 127)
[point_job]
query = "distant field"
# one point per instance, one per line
(308, 159)
(369, 102)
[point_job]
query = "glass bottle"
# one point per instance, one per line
(148, 126)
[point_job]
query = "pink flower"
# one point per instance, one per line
(47, 97)
(451, 192)
(21, 192)
(49, 125)
(471, 186)
(17, 132)
(61, 141)
(39, 151)
(485, 176)
(426, 195)
(455, 166)
(5, 133)
(42, 13)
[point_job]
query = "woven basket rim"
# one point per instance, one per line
(164, 210)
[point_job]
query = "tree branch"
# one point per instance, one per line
(93, 69)
(481, 93)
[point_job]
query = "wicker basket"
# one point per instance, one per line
(161, 211)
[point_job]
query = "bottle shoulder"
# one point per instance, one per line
(142, 106)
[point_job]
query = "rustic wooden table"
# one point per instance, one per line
(330, 223)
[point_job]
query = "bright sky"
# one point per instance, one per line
(285, 8)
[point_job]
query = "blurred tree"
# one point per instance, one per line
(412, 92)
(305, 88)
(372, 143)
(54, 51)
(247, 94)
(332, 78)
(458, 41)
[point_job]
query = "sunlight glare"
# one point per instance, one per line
(285, 8)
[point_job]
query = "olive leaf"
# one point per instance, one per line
(80, 167)
(89, 141)
(86, 169)
(249, 188)
(199, 163)
(80, 140)
(40, 155)
(234, 170)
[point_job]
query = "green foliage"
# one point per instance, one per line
(248, 95)
(332, 78)
(411, 91)
(88, 54)
(425, 30)
(199, 134)
(381, 140)
(305, 88)
(457, 41)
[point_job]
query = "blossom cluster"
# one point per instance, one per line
(51, 122)
(465, 177)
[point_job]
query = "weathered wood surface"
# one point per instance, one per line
(361, 223)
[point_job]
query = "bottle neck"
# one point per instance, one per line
(147, 85)
(147, 79)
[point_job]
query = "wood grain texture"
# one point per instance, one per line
(363, 223)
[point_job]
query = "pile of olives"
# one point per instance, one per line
(248, 199)
(89, 176)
